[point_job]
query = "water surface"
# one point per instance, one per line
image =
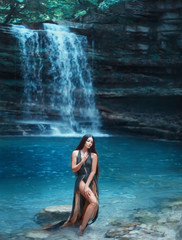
(35, 172)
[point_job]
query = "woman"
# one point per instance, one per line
(85, 202)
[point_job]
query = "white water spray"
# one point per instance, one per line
(58, 92)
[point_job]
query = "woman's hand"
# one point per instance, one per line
(84, 158)
(76, 166)
(87, 191)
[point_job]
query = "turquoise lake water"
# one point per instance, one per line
(35, 172)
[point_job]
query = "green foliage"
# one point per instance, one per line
(19, 11)
(80, 13)
(104, 5)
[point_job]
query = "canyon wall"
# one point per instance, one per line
(136, 59)
(135, 56)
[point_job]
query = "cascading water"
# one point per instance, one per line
(58, 91)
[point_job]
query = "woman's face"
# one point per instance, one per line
(89, 142)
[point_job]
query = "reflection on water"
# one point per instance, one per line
(134, 173)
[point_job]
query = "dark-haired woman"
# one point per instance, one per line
(85, 202)
(85, 165)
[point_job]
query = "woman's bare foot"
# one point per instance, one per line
(80, 231)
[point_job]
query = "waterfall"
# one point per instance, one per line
(58, 91)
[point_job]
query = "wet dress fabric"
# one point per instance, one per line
(79, 202)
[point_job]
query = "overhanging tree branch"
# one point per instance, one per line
(14, 9)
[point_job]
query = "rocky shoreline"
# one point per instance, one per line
(164, 224)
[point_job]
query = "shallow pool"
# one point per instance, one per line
(35, 172)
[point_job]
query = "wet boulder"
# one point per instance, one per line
(52, 214)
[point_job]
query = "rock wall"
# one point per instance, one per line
(135, 55)
(137, 65)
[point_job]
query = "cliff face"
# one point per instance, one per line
(136, 58)
(135, 55)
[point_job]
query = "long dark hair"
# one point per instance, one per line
(83, 141)
(91, 150)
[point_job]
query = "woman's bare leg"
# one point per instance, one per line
(93, 204)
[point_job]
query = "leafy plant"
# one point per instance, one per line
(19, 11)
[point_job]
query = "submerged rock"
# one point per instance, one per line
(176, 205)
(133, 230)
(145, 216)
(179, 230)
(52, 214)
(162, 224)
(37, 235)
(14, 236)
(126, 224)
(115, 233)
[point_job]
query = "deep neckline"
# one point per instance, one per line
(87, 152)
(87, 156)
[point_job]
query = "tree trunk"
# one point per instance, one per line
(11, 12)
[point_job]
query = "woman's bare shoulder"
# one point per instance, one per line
(75, 152)
(94, 155)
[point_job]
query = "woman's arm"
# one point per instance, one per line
(76, 167)
(93, 170)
